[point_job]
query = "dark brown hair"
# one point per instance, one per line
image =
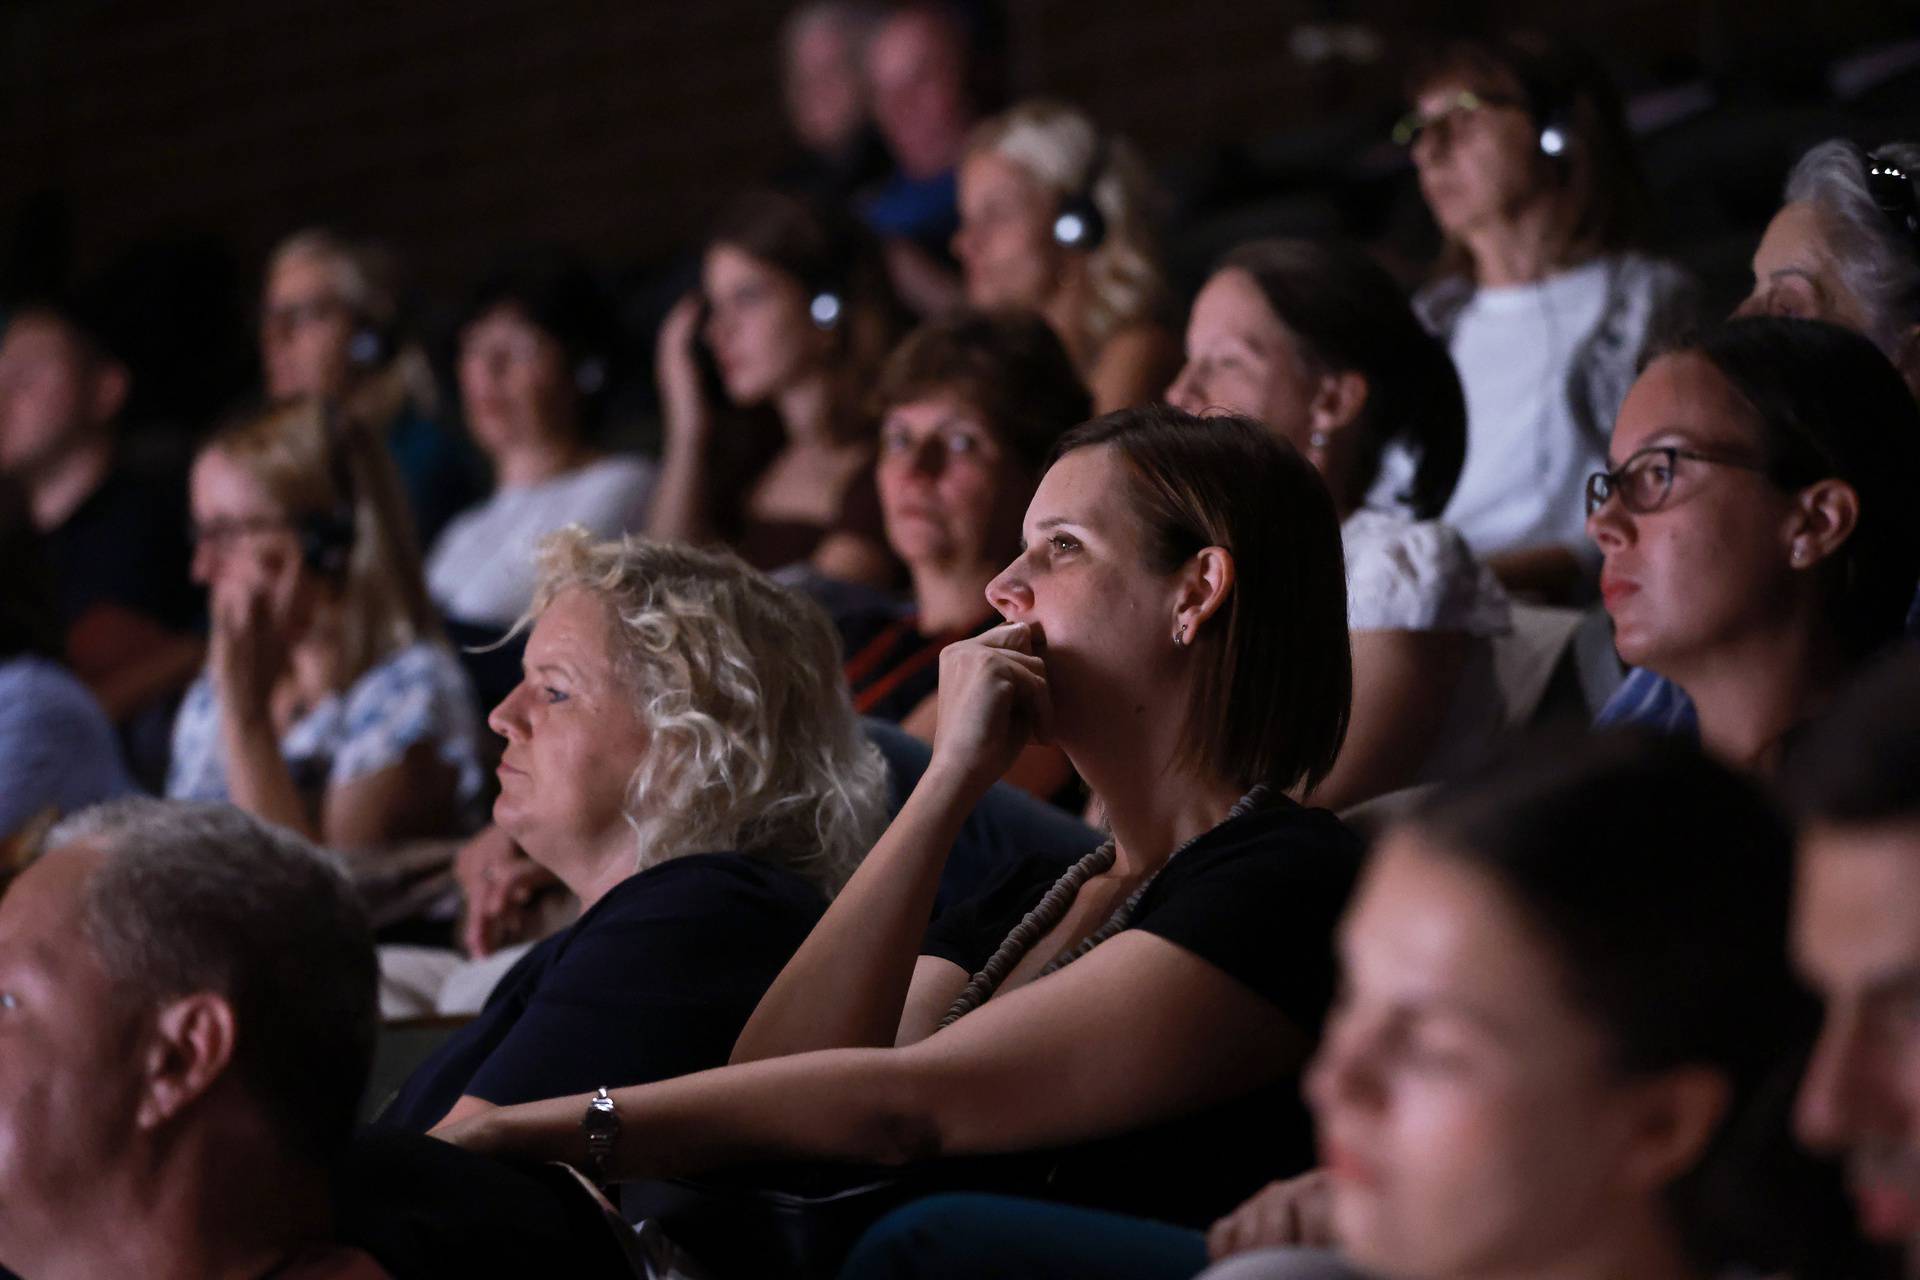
(1347, 315)
(1830, 405)
(826, 251)
(1600, 197)
(1274, 684)
(1009, 365)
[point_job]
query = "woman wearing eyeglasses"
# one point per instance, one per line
(1757, 523)
(1526, 164)
(1844, 248)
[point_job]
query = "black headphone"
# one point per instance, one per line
(1079, 225)
(327, 537)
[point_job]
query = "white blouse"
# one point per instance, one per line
(481, 568)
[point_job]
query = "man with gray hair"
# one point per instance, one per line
(187, 1017)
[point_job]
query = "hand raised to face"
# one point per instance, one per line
(993, 702)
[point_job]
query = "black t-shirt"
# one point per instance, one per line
(1257, 898)
(656, 980)
(126, 545)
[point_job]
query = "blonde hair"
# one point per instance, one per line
(754, 745)
(1065, 151)
(318, 465)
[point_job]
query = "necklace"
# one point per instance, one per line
(1046, 913)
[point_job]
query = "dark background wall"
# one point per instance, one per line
(452, 126)
(179, 139)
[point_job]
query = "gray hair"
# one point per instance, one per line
(1879, 264)
(197, 897)
(753, 742)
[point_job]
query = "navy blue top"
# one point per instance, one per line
(656, 980)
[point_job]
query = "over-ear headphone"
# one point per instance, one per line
(1079, 225)
(327, 537)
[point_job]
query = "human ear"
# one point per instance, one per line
(1337, 402)
(110, 387)
(1676, 1114)
(190, 1046)
(1825, 515)
(1206, 580)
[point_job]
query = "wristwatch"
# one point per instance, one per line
(601, 1124)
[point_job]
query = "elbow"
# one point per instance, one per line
(906, 1125)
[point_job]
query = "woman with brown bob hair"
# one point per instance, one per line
(796, 309)
(1546, 306)
(970, 407)
(1176, 624)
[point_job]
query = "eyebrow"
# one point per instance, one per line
(1664, 438)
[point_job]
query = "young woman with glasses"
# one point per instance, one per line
(1757, 524)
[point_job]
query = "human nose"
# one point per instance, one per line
(1009, 593)
(205, 558)
(1341, 1073)
(1188, 390)
(1839, 1088)
(1608, 524)
(509, 718)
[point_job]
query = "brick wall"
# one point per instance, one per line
(454, 127)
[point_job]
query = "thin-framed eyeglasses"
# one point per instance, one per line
(1892, 189)
(1645, 479)
(1417, 121)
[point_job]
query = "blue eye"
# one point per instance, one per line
(554, 695)
(8, 1000)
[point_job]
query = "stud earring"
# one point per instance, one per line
(1180, 636)
(1799, 556)
(1316, 440)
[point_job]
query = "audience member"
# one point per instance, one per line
(329, 704)
(823, 47)
(1506, 1089)
(924, 84)
(58, 753)
(1177, 626)
(1055, 217)
(1316, 341)
(797, 309)
(330, 327)
(1759, 536)
(1527, 166)
(682, 756)
(112, 524)
(1843, 249)
(970, 408)
(533, 367)
(1856, 936)
(188, 996)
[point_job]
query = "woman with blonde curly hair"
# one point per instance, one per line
(682, 755)
(1055, 217)
(330, 703)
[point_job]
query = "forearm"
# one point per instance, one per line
(1550, 574)
(258, 780)
(682, 505)
(853, 1105)
(848, 982)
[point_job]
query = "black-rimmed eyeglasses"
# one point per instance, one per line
(1645, 479)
